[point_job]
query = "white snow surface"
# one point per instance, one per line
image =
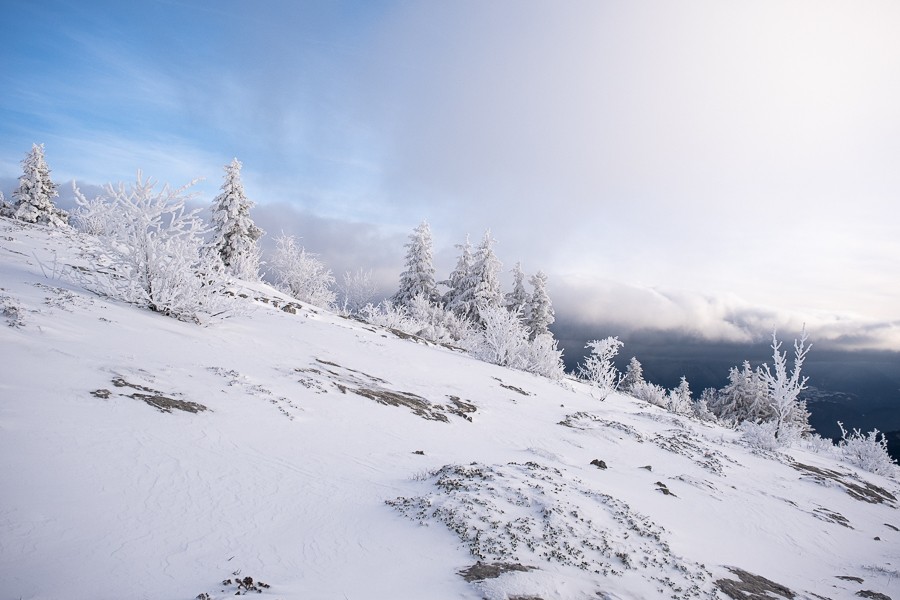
(297, 476)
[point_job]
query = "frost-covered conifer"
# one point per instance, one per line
(744, 398)
(680, 398)
(539, 314)
(35, 194)
(6, 209)
(418, 278)
(517, 300)
(301, 274)
(236, 237)
(460, 295)
(634, 375)
(486, 274)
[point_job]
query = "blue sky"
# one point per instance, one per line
(716, 169)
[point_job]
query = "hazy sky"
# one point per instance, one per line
(712, 168)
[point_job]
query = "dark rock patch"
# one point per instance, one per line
(849, 578)
(873, 595)
(599, 464)
(858, 489)
(752, 587)
(481, 571)
(156, 399)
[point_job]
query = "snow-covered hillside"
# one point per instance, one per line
(143, 457)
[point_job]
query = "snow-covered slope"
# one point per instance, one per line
(143, 457)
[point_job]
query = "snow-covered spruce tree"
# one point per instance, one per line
(460, 295)
(486, 274)
(634, 374)
(236, 237)
(598, 367)
(156, 251)
(539, 315)
(744, 398)
(301, 274)
(418, 278)
(788, 412)
(356, 290)
(679, 401)
(35, 194)
(516, 301)
(6, 209)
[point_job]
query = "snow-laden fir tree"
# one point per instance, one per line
(418, 278)
(679, 401)
(539, 314)
(634, 375)
(517, 299)
(6, 209)
(744, 398)
(35, 194)
(486, 274)
(460, 295)
(236, 237)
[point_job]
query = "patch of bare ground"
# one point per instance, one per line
(873, 595)
(481, 571)
(752, 587)
(857, 488)
(154, 398)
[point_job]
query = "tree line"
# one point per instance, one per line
(158, 254)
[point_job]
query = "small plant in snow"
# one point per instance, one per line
(301, 274)
(769, 436)
(355, 291)
(157, 255)
(650, 393)
(389, 315)
(866, 451)
(598, 367)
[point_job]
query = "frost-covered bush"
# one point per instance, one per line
(760, 435)
(155, 250)
(543, 357)
(95, 217)
(650, 393)
(866, 451)
(598, 367)
(389, 315)
(768, 436)
(818, 444)
(434, 323)
(502, 340)
(355, 291)
(301, 274)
